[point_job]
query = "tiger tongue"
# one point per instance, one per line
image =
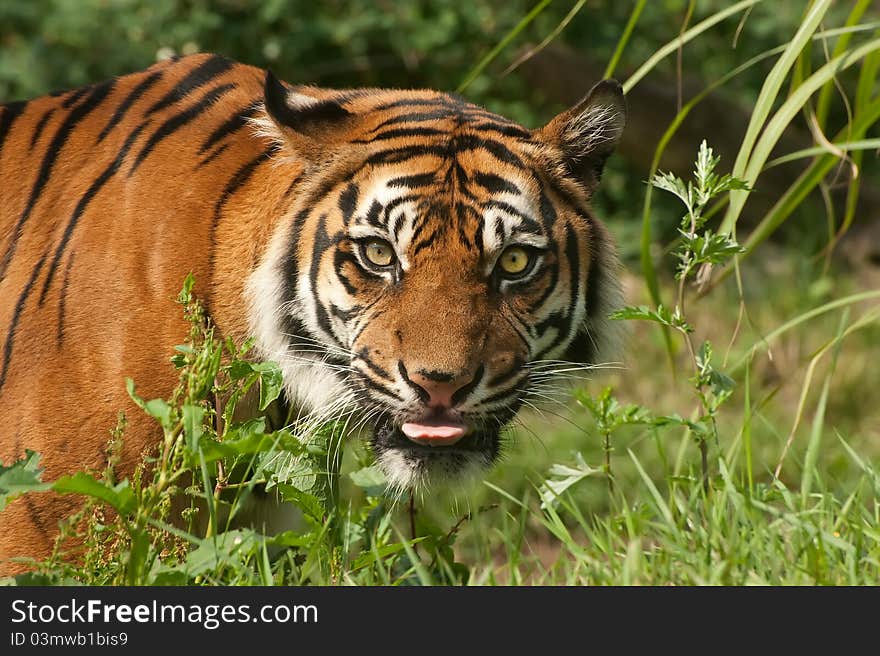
(432, 433)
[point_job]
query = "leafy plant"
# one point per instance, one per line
(698, 247)
(212, 463)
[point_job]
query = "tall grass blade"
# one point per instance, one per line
(765, 341)
(818, 427)
(624, 38)
(764, 104)
(661, 504)
(510, 36)
(675, 44)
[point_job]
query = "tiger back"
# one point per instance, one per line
(405, 256)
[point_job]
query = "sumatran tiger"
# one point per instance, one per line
(404, 254)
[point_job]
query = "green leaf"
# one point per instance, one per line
(120, 496)
(185, 295)
(308, 503)
(379, 553)
(243, 439)
(709, 248)
(674, 185)
(661, 315)
(288, 468)
(270, 382)
(20, 477)
(370, 479)
(156, 408)
(228, 548)
(240, 369)
(193, 428)
(564, 476)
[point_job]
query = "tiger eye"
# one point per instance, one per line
(379, 252)
(514, 260)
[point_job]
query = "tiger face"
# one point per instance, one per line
(438, 261)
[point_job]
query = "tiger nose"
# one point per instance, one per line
(442, 389)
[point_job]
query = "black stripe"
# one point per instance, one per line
(345, 315)
(340, 259)
(463, 233)
(126, 104)
(348, 202)
(239, 178)
(230, 125)
(210, 158)
(16, 316)
(177, 121)
(75, 96)
(504, 376)
(413, 181)
(320, 246)
(462, 392)
(548, 212)
(77, 114)
(427, 242)
(439, 101)
(198, 77)
(572, 253)
(402, 154)
(497, 149)
(526, 221)
(420, 391)
(38, 130)
(374, 385)
(551, 288)
(11, 112)
(581, 349)
(495, 184)
(398, 224)
(397, 133)
(372, 216)
(393, 205)
(364, 356)
(498, 396)
(291, 259)
(508, 130)
(84, 202)
(414, 117)
(478, 232)
(62, 305)
(562, 321)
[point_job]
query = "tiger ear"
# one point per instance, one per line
(588, 132)
(302, 120)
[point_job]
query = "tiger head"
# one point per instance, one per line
(439, 263)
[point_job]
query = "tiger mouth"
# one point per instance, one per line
(389, 434)
(412, 462)
(438, 430)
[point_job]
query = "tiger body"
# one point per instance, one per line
(356, 235)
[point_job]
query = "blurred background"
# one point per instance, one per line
(528, 60)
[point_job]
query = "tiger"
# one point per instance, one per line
(404, 255)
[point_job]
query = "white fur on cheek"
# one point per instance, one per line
(311, 386)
